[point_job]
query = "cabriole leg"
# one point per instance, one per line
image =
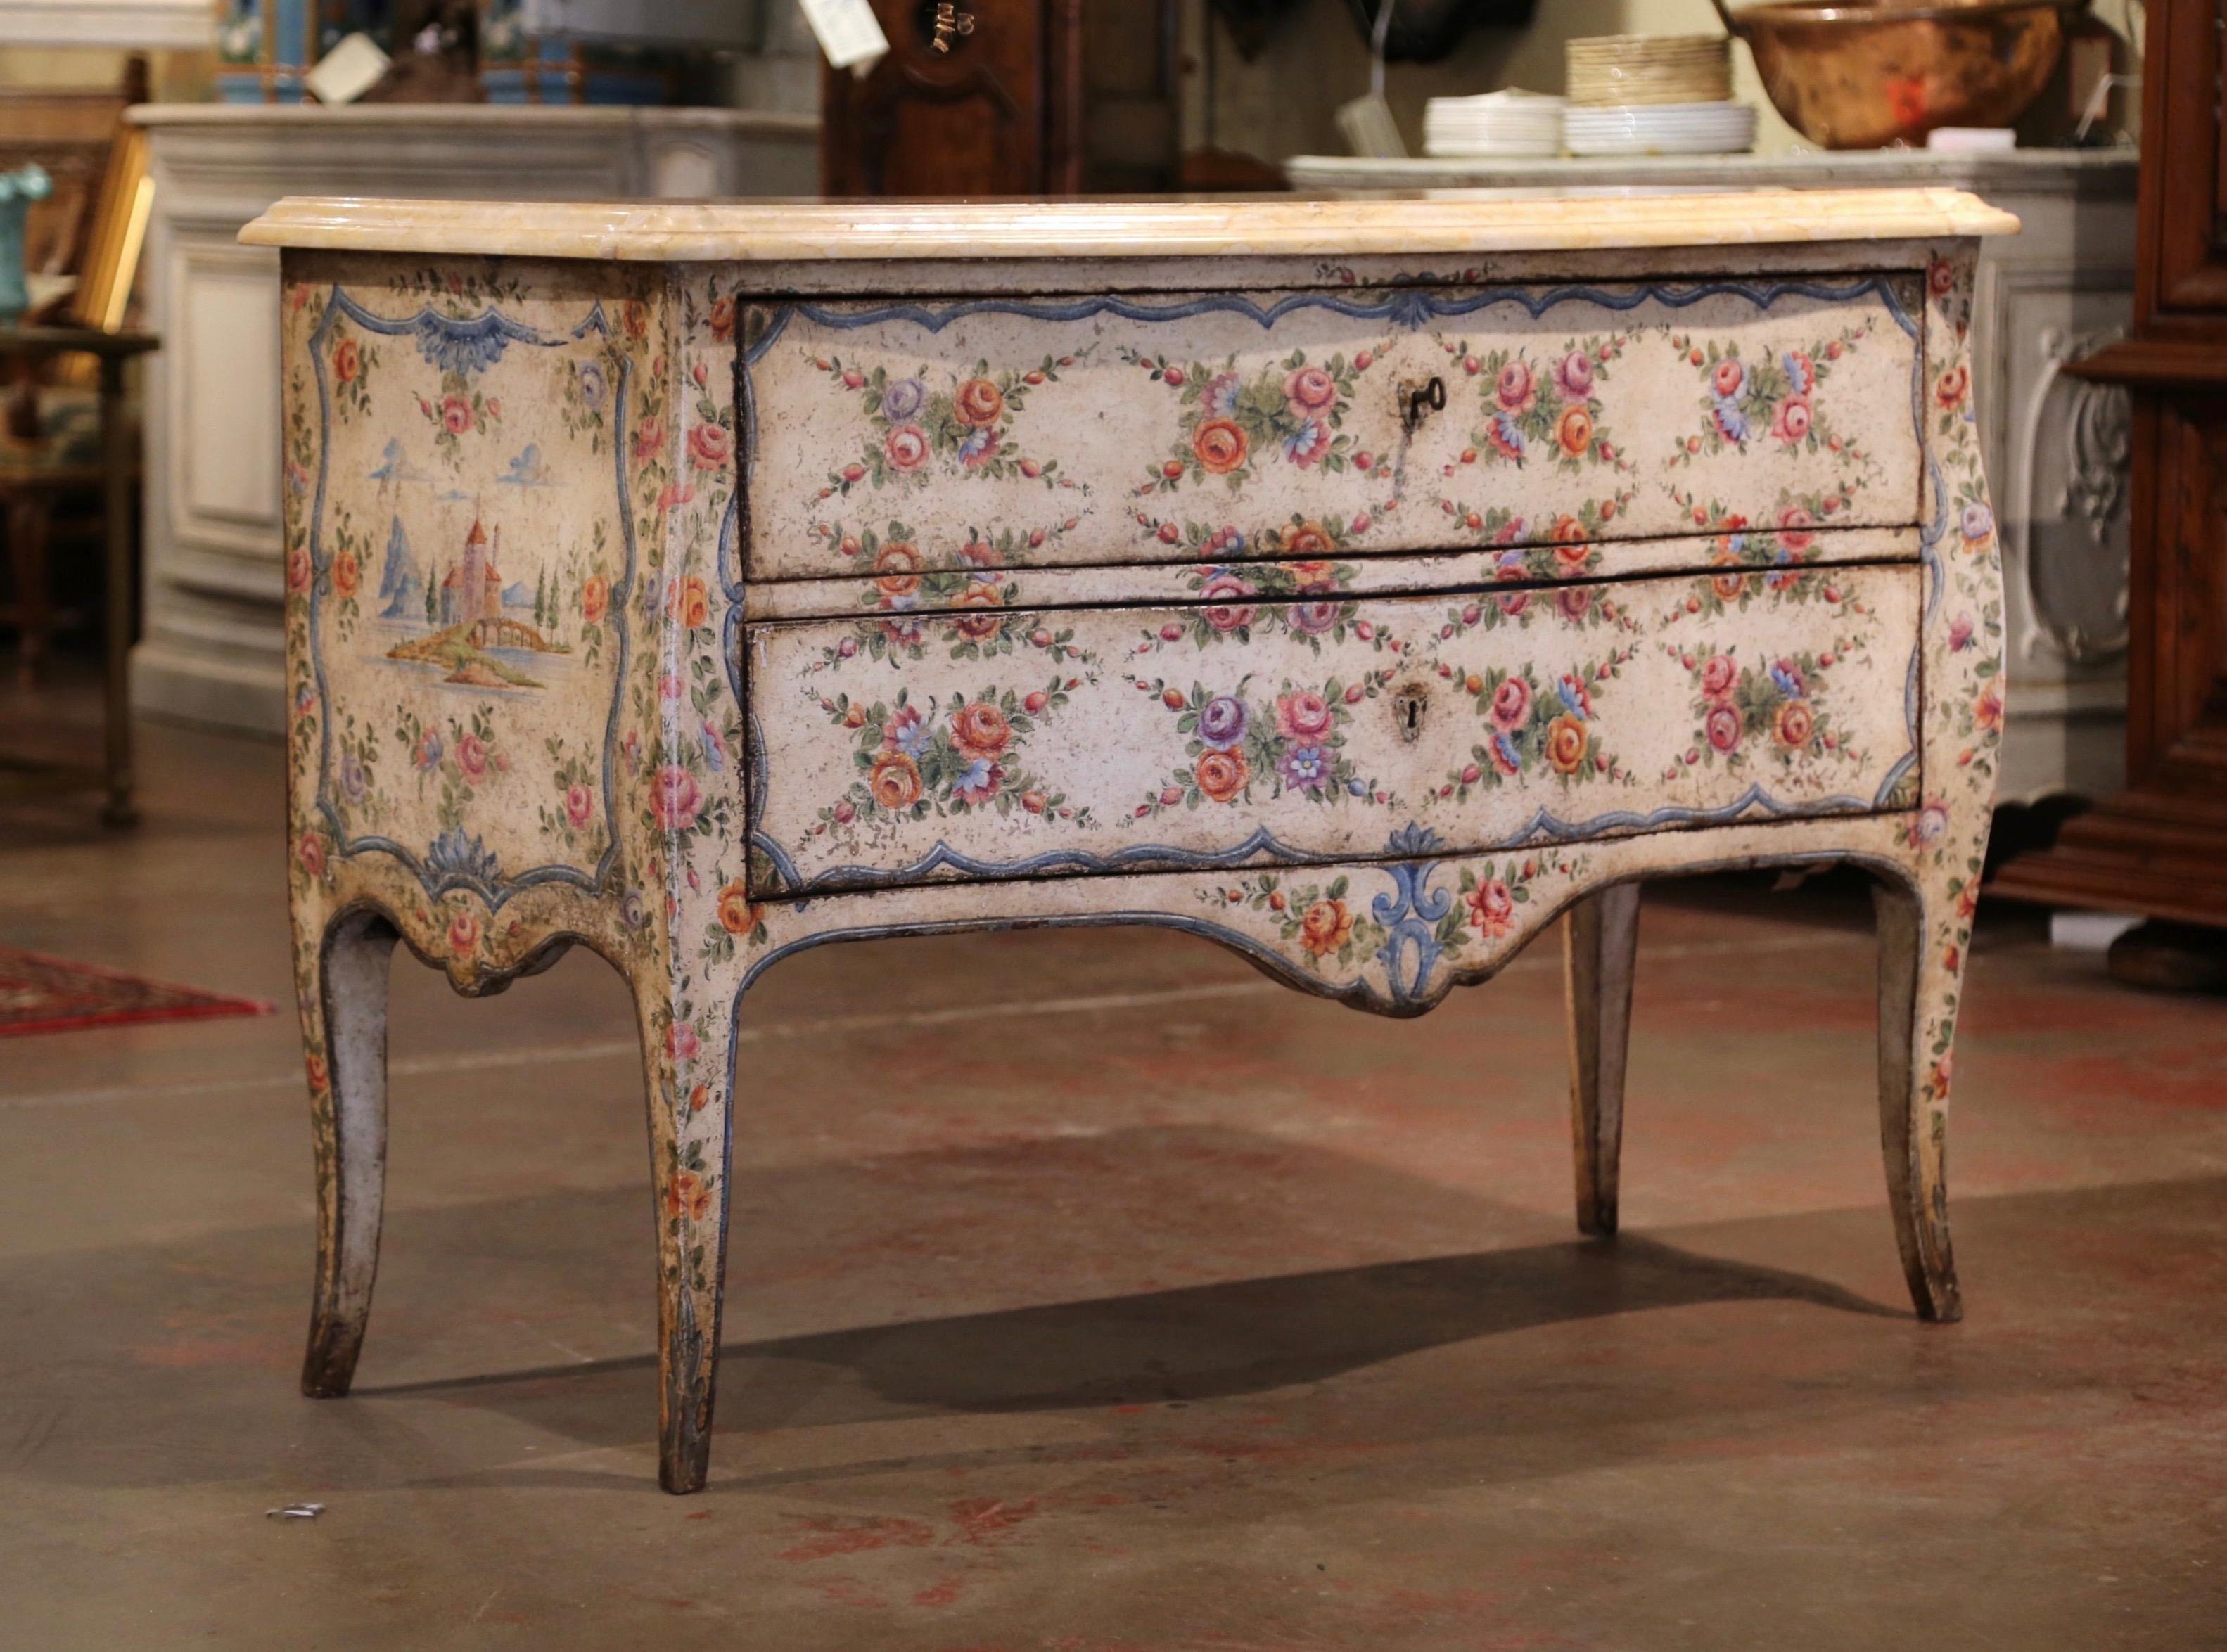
(1914, 997)
(688, 1154)
(343, 1003)
(1600, 936)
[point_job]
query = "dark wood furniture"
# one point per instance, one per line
(112, 476)
(1036, 97)
(2161, 847)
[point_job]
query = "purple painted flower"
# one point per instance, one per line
(1978, 522)
(1314, 619)
(715, 748)
(593, 384)
(1306, 769)
(1801, 373)
(427, 757)
(1222, 721)
(904, 398)
(908, 732)
(1219, 398)
(352, 780)
(1731, 422)
(1789, 678)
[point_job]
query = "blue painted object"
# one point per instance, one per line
(18, 189)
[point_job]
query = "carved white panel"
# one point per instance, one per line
(223, 453)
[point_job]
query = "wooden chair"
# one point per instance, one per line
(50, 456)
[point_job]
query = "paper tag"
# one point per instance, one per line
(849, 33)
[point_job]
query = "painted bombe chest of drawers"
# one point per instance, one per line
(1362, 586)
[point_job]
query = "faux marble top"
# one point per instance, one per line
(1279, 225)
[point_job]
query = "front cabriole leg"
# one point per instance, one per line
(1600, 941)
(341, 982)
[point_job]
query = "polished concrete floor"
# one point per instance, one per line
(1090, 1293)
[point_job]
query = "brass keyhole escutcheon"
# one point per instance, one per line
(944, 24)
(1408, 704)
(1419, 401)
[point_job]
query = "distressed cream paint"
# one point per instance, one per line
(1360, 585)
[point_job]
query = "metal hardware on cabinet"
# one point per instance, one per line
(950, 24)
(1408, 704)
(1416, 400)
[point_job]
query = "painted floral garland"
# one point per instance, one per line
(1295, 408)
(1292, 741)
(1532, 409)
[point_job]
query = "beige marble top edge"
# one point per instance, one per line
(467, 114)
(1265, 225)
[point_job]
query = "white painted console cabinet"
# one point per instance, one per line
(1360, 586)
(213, 645)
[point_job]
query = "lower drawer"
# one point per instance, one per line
(997, 743)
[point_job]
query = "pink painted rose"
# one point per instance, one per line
(907, 449)
(311, 854)
(1728, 378)
(1718, 675)
(1303, 716)
(1574, 375)
(709, 446)
(1791, 422)
(472, 756)
(579, 803)
(1960, 633)
(455, 414)
(1724, 728)
(1794, 525)
(1309, 389)
(1492, 908)
(1515, 391)
(463, 934)
(299, 572)
(1511, 704)
(1226, 607)
(675, 799)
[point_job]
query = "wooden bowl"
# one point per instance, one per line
(1854, 74)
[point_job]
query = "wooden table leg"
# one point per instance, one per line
(116, 532)
(1600, 939)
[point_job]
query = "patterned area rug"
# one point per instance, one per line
(42, 994)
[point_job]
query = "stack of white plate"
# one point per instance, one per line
(1662, 129)
(1515, 124)
(1611, 71)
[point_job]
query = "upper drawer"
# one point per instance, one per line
(1110, 429)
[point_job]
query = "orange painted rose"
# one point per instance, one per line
(979, 402)
(1728, 587)
(317, 1075)
(347, 361)
(1222, 775)
(1220, 444)
(723, 319)
(983, 621)
(692, 603)
(1796, 723)
(595, 600)
(979, 729)
(1307, 540)
(347, 576)
(1566, 744)
(898, 565)
(688, 1195)
(1324, 927)
(736, 915)
(894, 781)
(1954, 386)
(1573, 431)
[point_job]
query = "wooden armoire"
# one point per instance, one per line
(1020, 98)
(2161, 846)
